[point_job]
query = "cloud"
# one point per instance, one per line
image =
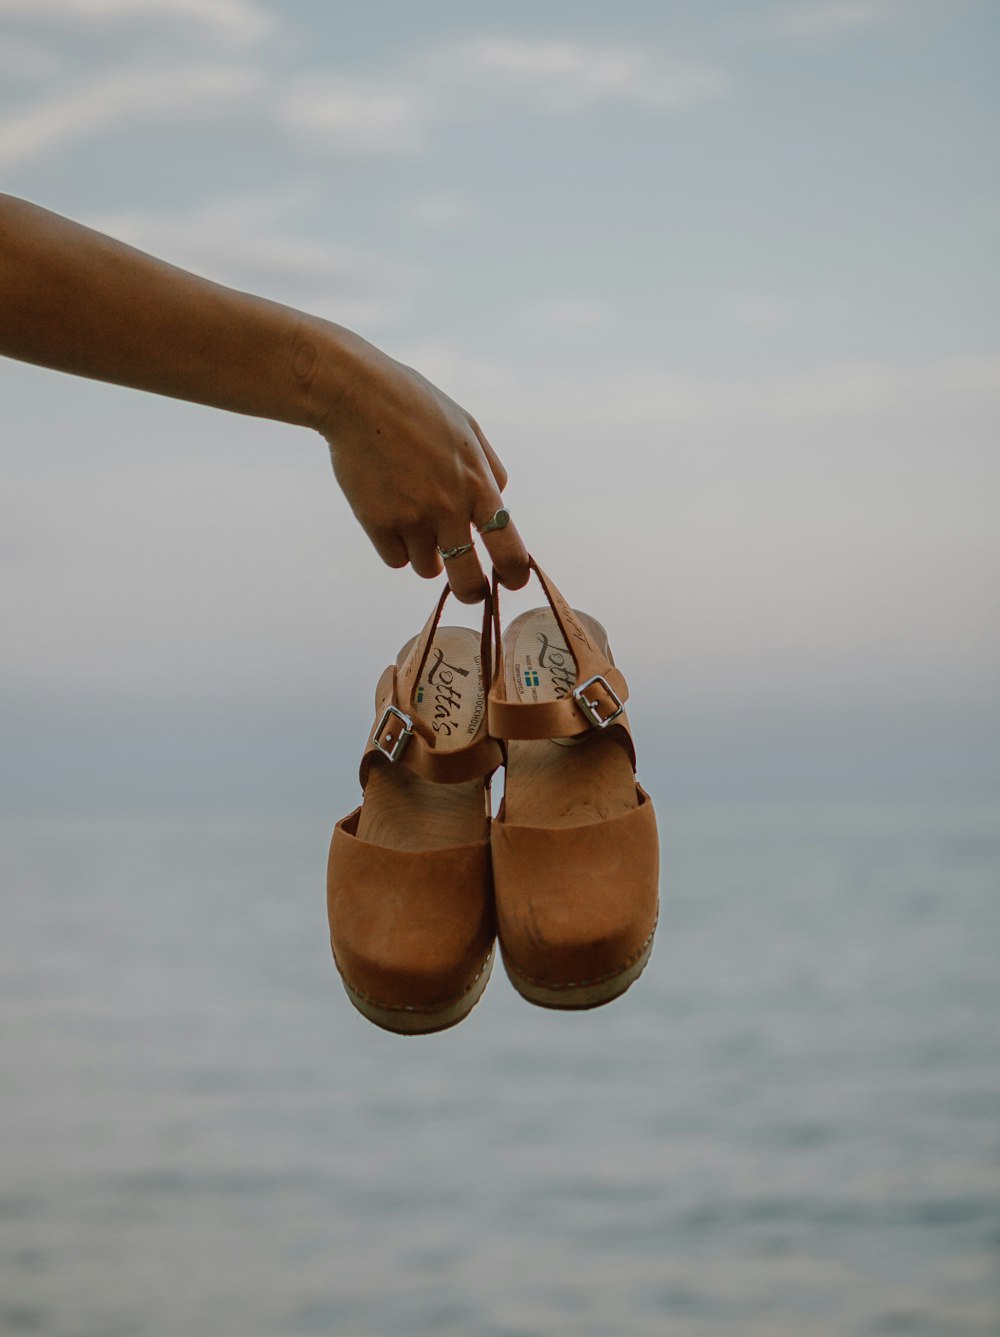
(392, 112)
(27, 61)
(356, 116)
(767, 313)
(120, 96)
(441, 209)
(761, 313)
(868, 387)
(563, 76)
(237, 21)
(250, 244)
(822, 395)
(832, 19)
(458, 372)
(563, 316)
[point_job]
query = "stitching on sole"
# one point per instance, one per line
(408, 1007)
(601, 979)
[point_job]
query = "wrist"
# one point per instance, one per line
(329, 368)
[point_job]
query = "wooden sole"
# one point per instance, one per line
(412, 1021)
(579, 997)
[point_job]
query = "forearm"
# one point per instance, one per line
(415, 467)
(77, 301)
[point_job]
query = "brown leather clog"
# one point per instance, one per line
(409, 891)
(575, 846)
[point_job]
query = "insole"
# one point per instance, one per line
(569, 782)
(402, 811)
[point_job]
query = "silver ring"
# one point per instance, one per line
(449, 553)
(500, 519)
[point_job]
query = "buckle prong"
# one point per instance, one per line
(592, 709)
(395, 751)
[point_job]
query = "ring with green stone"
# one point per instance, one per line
(500, 519)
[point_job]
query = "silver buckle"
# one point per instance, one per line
(591, 709)
(405, 734)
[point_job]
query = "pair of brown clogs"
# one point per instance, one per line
(421, 882)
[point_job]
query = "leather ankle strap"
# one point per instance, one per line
(595, 702)
(400, 737)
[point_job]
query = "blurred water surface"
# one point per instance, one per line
(790, 1125)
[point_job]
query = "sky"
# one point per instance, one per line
(719, 282)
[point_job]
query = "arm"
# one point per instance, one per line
(415, 468)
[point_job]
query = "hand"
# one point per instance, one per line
(418, 473)
(416, 469)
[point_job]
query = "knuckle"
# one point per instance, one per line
(388, 546)
(473, 595)
(468, 478)
(511, 562)
(468, 584)
(517, 579)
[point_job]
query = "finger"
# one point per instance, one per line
(465, 574)
(492, 458)
(390, 547)
(507, 552)
(424, 556)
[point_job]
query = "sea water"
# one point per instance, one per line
(790, 1125)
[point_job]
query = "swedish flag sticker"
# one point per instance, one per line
(420, 693)
(531, 678)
